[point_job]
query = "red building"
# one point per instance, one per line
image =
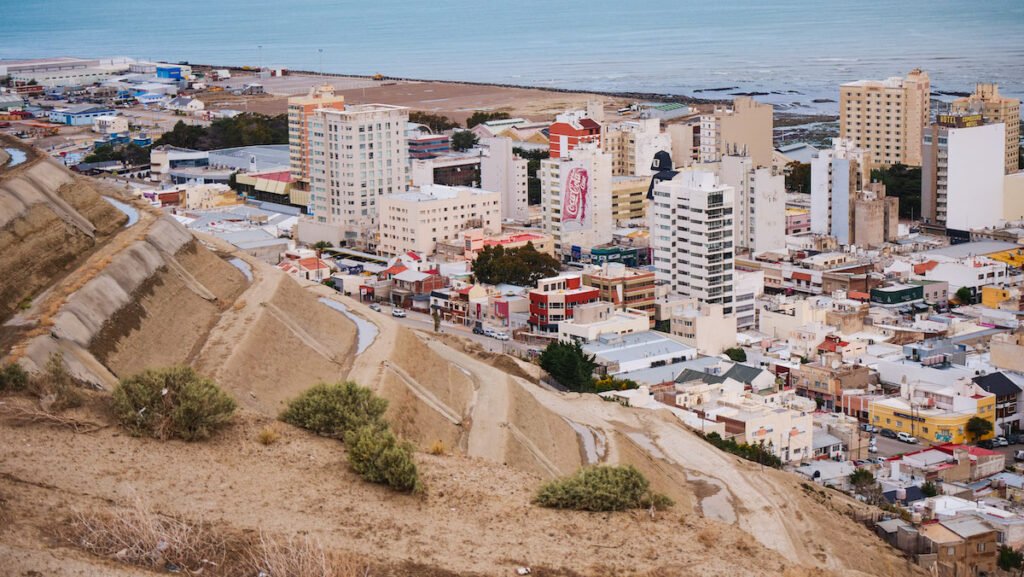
(569, 131)
(554, 300)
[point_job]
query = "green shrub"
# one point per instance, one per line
(376, 455)
(602, 488)
(332, 410)
(758, 453)
(174, 402)
(13, 377)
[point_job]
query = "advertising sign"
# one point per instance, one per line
(575, 200)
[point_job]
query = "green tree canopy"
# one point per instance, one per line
(1009, 558)
(964, 296)
(904, 182)
(798, 177)
(436, 122)
(480, 116)
(736, 354)
(521, 266)
(247, 129)
(978, 427)
(861, 478)
(463, 140)
(569, 365)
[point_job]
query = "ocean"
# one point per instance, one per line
(790, 52)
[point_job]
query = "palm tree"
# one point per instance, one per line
(320, 246)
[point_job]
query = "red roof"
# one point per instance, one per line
(975, 451)
(832, 345)
(465, 291)
(280, 176)
(589, 124)
(925, 267)
(311, 263)
(802, 276)
(858, 296)
(413, 256)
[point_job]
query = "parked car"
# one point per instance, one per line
(375, 307)
(398, 312)
(987, 444)
(1014, 438)
(906, 437)
(501, 336)
(1018, 455)
(888, 433)
(478, 328)
(872, 448)
(1001, 442)
(879, 460)
(489, 332)
(862, 463)
(869, 428)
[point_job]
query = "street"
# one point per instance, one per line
(426, 322)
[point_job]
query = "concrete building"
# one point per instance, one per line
(704, 327)
(962, 174)
(685, 142)
(576, 199)
(692, 237)
(473, 241)
(876, 217)
(886, 118)
(638, 351)
(504, 171)
(300, 111)
(623, 287)
(571, 129)
(80, 114)
(110, 125)
(826, 379)
(759, 218)
(934, 412)
(592, 321)
(629, 198)
(837, 174)
(633, 143)
(555, 300)
(418, 219)
(452, 169)
(357, 155)
(743, 129)
(994, 109)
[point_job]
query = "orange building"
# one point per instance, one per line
(300, 109)
(570, 130)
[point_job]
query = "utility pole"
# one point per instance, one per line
(321, 52)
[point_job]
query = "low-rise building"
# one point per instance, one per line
(825, 379)
(417, 220)
(555, 299)
(934, 412)
(594, 320)
(704, 327)
(618, 354)
(962, 546)
(623, 286)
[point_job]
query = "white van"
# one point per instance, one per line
(906, 437)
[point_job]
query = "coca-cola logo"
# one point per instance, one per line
(574, 201)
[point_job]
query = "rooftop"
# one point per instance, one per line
(969, 249)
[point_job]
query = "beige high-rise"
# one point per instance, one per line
(745, 129)
(300, 110)
(995, 108)
(886, 118)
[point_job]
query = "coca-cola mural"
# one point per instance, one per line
(575, 199)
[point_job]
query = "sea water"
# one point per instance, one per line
(796, 51)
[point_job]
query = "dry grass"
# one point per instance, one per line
(268, 435)
(437, 448)
(301, 557)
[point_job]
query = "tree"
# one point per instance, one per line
(320, 246)
(437, 320)
(964, 296)
(519, 266)
(929, 489)
(247, 129)
(861, 479)
(533, 158)
(436, 122)
(174, 402)
(798, 177)
(479, 117)
(903, 182)
(1009, 558)
(463, 140)
(334, 409)
(569, 365)
(736, 354)
(977, 427)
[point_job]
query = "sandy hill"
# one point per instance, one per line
(151, 294)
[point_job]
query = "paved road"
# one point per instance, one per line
(425, 322)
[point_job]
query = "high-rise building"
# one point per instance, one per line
(837, 174)
(576, 199)
(504, 171)
(419, 219)
(629, 198)
(886, 118)
(744, 129)
(633, 143)
(357, 155)
(963, 172)
(300, 110)
(692, 237)
(759, 217)
(571, 129)
(995, 108)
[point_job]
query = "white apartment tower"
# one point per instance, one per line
(837, 174)
(576, 198)
(760, 212)
(503, 171)
(692, 237)
(357, 155)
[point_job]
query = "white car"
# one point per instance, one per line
(397, 312)
(488, 332)
(906, 437)
(501, 336)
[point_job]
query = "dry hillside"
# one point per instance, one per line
(151, 294)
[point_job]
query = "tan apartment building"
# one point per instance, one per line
(744, 129)
(300, 110)
(876, 217)
(419, 219)
(886, 118)
(633, 144)
(995, 108)
(629, 198)
(825, 379)
(624, 287)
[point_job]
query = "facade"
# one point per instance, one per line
(962, 174)
(744, 129)
(876, 217)
(418, 219)
(452, 169)
(555, 299)
(826, 379)
(886, 118)
(572, 129)
(623, 287)
(428, 145)
(591, 321)
(473, 241)
(357, 155)
(934, 412)
(300, 111)
(798, 221)
(837, 174)
(110, 125)
(576, 199)
(503, 171)
(633, 144)
(629, 198)
(1008, 399)
(759, 217)
(995, 109)
(692, 237)
(704, 327)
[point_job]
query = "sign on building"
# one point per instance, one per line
(575, 200)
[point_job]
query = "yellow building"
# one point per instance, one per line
(934, 413)
(886, 118)
(629, 197)
(995, 108)
(995, 297)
